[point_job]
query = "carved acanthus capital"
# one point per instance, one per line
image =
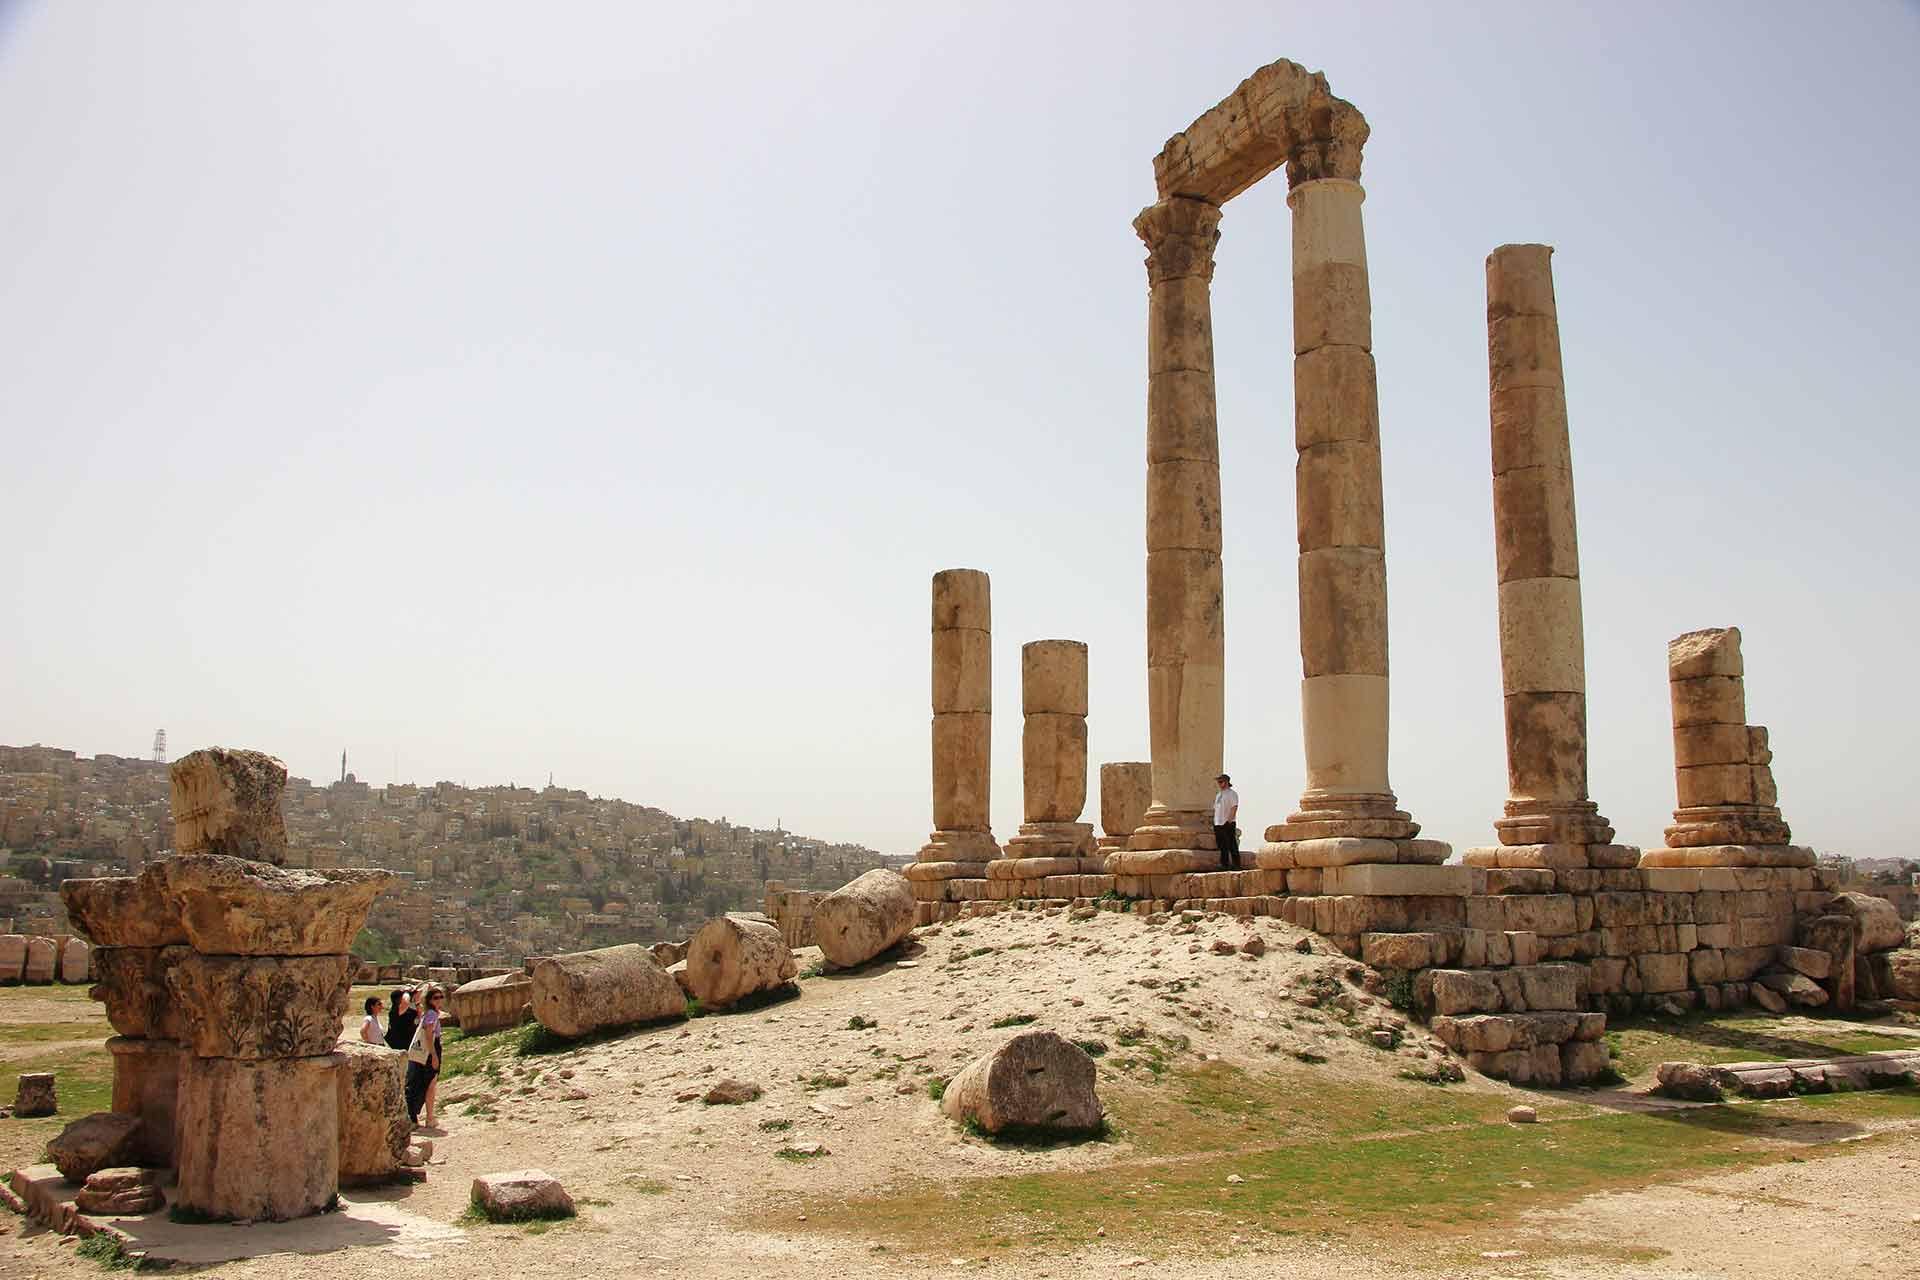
(1180, 236)
(1330, 136)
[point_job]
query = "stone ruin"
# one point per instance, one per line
(225, 976)
(1517, 952)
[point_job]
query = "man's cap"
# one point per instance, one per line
(1221, 777)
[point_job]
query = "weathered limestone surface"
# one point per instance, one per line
(228, 802)
(258, 1007)
(258, 1140)
(1186, 633)
(231, 906)
(371, 1100)
(123, 911)
(43, 961)
(864, 917)
(1877, 925)
(132, 983)
(146, 1083)
(521, 1194)
(1723, 772)
(76, 962)
(490, 1004)
(93, 1143)
(120, 1193)
(1126, 789)
(962, 719)
(36, 1094)
(1542, 646)
(577, 994)
(1037, 1081)
(13, 955)
(1053, 677)
(1281, 114)
(731, 958)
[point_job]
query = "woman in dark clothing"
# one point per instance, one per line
(421, 1075)
(400, 1026)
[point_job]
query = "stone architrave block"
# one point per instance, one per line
(261, 1007)
(234, 907)
(102, 1140)
(258, 1141)
(228, 802)
(491, 1004)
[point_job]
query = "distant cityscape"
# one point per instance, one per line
(490, 875)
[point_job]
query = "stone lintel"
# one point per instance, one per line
(1282, 114)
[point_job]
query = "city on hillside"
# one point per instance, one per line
(489, 875)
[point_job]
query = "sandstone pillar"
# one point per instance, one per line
(1126, 789)
(1729, 812)
(1549, 820)
(1053, 748)
(1186, 647)
(1342, 567)
(962, 721)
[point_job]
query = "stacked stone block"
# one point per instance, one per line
(1052, 840)
(1728, 814)
(227, 979)
(1126, 789)
(962, 841)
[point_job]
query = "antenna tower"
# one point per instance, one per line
(159, 746)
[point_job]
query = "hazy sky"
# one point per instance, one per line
(594, 390)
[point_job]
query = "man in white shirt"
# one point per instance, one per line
(1226, 807)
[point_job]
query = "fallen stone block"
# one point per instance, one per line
(521, 1196)
(36, 1094)
(1037, 1082)
(370, 1095)
(92, 1143)
(1877, 923)
(577, 994)
(501, 1001)
(731, 958)
(122, 1192)
(228, 802)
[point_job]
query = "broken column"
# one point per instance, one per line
(1549, 819)
(1053, 694)
(1186, 638)
(1728, 814)
(962, 842)
(1348, 813)
(1126, 789)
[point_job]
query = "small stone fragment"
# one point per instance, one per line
(36, 1095)
(1522, 1115)
(521, 1195)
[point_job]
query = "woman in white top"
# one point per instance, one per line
(370, 1030)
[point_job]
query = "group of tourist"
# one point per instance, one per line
(414, 1028)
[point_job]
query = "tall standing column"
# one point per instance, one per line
(1186, 649)
(1542, 641)
(1343, 574)
(1053, 742)
(962, 720)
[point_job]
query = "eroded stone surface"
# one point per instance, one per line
(36, 1094)
(123, 911)
(580, 993)
(132, 983)
(260, 1007)
(520, 1195)
(230, 906)
(228, 802)
(258, 1140)
(1038, 1081)
(731, 958)
(864, 917)
(146, 1083)
(93, 1143)
(372, 1104)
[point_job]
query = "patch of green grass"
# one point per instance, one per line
(1093, 1048)
(475, 1215)
(648, 1186)
(936, 1089)
(826, 1080)
(1450, 1179)
(107, 1251)
(775, 1126)
(1013, 1020)
(797, 1155)
(858, 1023)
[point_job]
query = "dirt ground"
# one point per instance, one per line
(667, 1184)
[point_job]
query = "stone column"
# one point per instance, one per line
(1053, 695)
(1542, 646)
(962, 721)
(1729, 814)
(1126, 789)
(1343, 573)
(1186, 648)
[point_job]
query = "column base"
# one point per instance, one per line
(933, 872)
(1326, 816)
(1536, 822)
(1551, 856)
(1040, 868)
(1347, 851)
(1052, 840)
(1730, 855)
(1727, 825)
(1173, 829)
(959, 846)
(1106, 844)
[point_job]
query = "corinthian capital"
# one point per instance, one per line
(1180, 235)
